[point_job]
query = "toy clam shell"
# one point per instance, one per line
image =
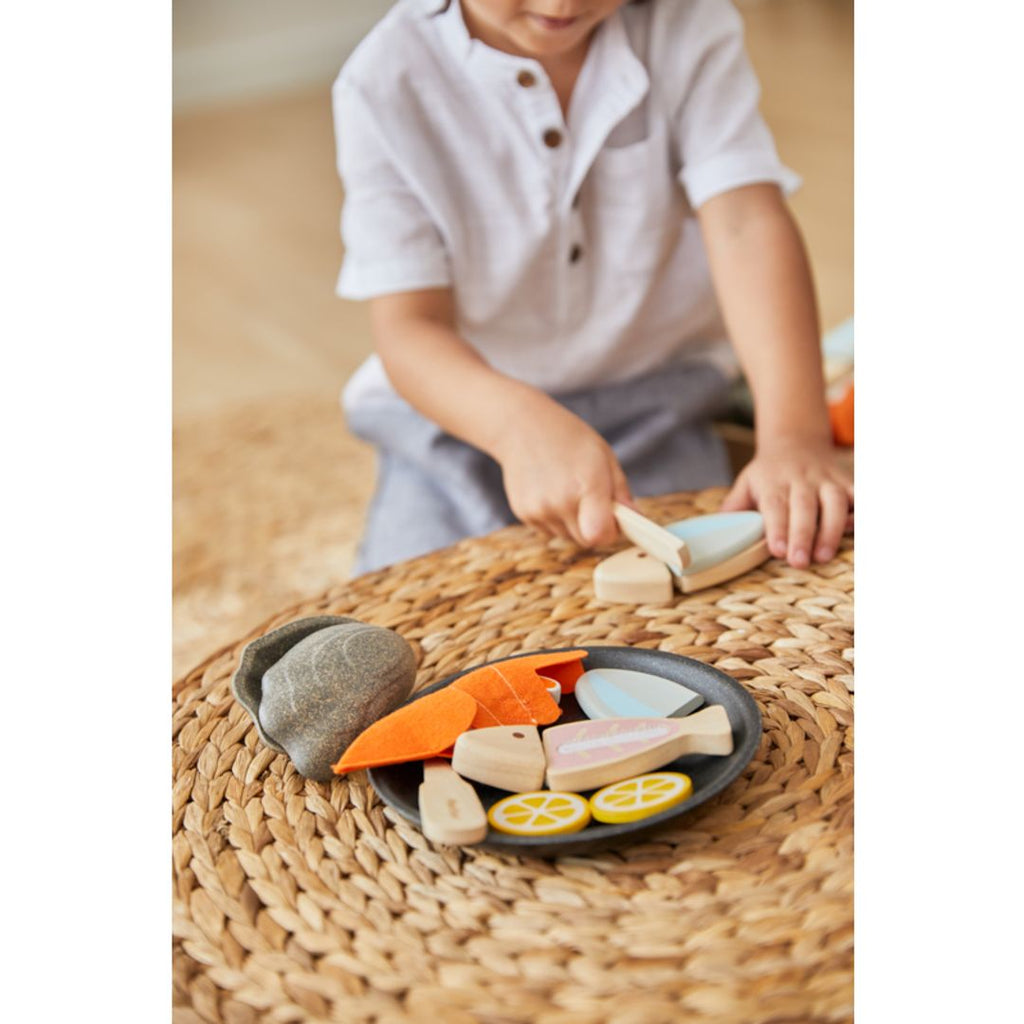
(312, 685)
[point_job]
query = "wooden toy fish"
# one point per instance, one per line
(626, 693)
(722, 545)
(586, 755)
(715, 538)
(710, 550)
(633, 577)
(652, 538)
(737, 565)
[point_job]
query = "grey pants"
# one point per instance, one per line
(433, 489)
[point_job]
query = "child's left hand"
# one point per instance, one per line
(805, 494)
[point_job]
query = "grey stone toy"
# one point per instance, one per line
(313, 685)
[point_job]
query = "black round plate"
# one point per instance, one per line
(398, 784)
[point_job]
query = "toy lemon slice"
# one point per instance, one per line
(640, 797)
(540, 813)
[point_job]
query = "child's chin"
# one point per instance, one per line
(541, 45)
(542, 42)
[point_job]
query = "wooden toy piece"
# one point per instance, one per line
(506, 756)
(586, 755)
(625, 693)
(652, 538)
(540, 813)
(450, 810)
(640, 797)
(746, 560)
(716, 547)
(633, 577)
(717, 537)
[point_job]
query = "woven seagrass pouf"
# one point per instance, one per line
(311, 901)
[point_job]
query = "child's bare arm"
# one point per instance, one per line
(560, 475)
(764, 287)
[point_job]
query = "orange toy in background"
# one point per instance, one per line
(510, 692)
(840, 414)
(837, 366)
(837, 348)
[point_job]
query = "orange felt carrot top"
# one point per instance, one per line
(417, 731)
(514, 692)
(509, 692)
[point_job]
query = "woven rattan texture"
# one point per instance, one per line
(302, 901)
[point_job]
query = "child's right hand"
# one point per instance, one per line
(560, 475)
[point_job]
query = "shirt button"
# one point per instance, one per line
(575, 253)
(552, 138)
(526, 78)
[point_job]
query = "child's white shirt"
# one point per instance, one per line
(569, 243)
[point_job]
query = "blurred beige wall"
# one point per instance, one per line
(227, 50)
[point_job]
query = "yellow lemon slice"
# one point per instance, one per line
(640, 797)
(540, 813)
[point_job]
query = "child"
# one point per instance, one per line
(562, 212)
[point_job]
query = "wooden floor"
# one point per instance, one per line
(268, 489)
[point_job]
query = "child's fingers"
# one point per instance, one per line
(596, 523)
(775, 509)
(803, 521)
(535, 520)
(620, 486)
(535, 511)
(832, 521)
(739, 497)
